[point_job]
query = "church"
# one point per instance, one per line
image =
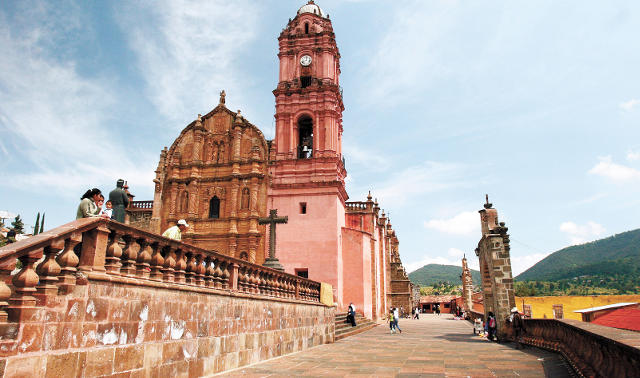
(222, 175)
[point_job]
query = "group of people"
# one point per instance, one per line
(393, 317)
(491, 326)
(92, 201)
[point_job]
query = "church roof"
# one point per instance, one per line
(313, 8)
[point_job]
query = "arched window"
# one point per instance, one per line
(244, 203)
(306, 28)
(244, 256)
(214, 208)
(305, 137)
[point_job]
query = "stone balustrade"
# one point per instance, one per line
(136, 205)
(356, 206)
(92, 290)
(592, 350)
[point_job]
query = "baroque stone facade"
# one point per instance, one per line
(215, 176)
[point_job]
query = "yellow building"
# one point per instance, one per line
(543, 307)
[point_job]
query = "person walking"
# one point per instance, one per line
(396, 317)
(351, 314)
(175, 232)
(392, 328)
(119, 201)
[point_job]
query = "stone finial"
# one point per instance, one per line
(239, 116)
(488, 204)
(223, 95)
(369, 198)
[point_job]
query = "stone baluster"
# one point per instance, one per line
(242, 279)
(190, 274)
(272, 285)
(129, 256)
(251, 285)
(263, 283)
(297, 289)
(181, 265)
(48, 271)
(143, 269)
(5, 290)
(114, 252)
(200, 270)
(257, 282)
(168, 271)
(22, 304)
(217, 276)
(276, 286)
(225, 274)
(157, 262)
(209, 277)
(68, 261)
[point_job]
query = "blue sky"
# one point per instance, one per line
(535, 103)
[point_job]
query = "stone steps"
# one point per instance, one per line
(343, 329)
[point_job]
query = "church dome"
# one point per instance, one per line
(313, 8)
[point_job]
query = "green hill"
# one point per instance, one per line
(434, 273)
(615, 255)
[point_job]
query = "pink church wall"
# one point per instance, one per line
(311, 240)
(356, 252)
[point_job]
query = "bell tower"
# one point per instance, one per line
(307, 166)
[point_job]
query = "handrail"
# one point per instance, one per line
(592, 350)
(99, 248)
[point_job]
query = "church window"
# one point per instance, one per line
(302, 272)
(303, 207)
(305, 81)
(214, 208)
(305, 142)
(245, 199)
(306, 28)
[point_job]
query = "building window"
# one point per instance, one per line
(306, 28)
(305, 81)
(302, 272)
(214, 208)
(305, 138)
(244, 256)
(303, 207)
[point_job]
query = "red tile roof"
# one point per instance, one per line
(623, 318)
(437, 298)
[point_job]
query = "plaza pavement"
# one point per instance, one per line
(430, 347)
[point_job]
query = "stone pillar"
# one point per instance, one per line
(467, 286)
(495, 265)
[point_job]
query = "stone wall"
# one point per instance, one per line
(110, 328)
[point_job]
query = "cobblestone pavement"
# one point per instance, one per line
(430, 347)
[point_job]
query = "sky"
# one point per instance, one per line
(535, 103)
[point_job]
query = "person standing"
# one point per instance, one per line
(119, 201)
(491, 326)
(392, 328)
(175, 232)
(108, 211)
(518, 326)
(396, 317)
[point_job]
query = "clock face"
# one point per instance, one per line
(305, 60)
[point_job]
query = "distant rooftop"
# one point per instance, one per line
(607, 307)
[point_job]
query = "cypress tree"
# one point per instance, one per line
(18, 225)
(37, 227)
(42, 224)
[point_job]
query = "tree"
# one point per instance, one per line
(18, 225)
(37, 227)
(42, 224)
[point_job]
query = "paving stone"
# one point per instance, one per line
(429, 347)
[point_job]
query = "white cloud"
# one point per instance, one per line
(633, 155)
(455, 252)
(417, 180)
(629, 105)
(579, 234)
(521, 263)
(616, 172)
(368, 159)
(465, 223)
(57, 120)
(188, 51)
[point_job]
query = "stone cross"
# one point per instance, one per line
(272, 220)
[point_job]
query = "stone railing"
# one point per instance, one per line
(101, 249)
(592, 350)
(141, 205)
(356, 206)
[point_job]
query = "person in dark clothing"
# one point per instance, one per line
(518, 327)
(119, 201)
(351, 315)
(492, 326)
